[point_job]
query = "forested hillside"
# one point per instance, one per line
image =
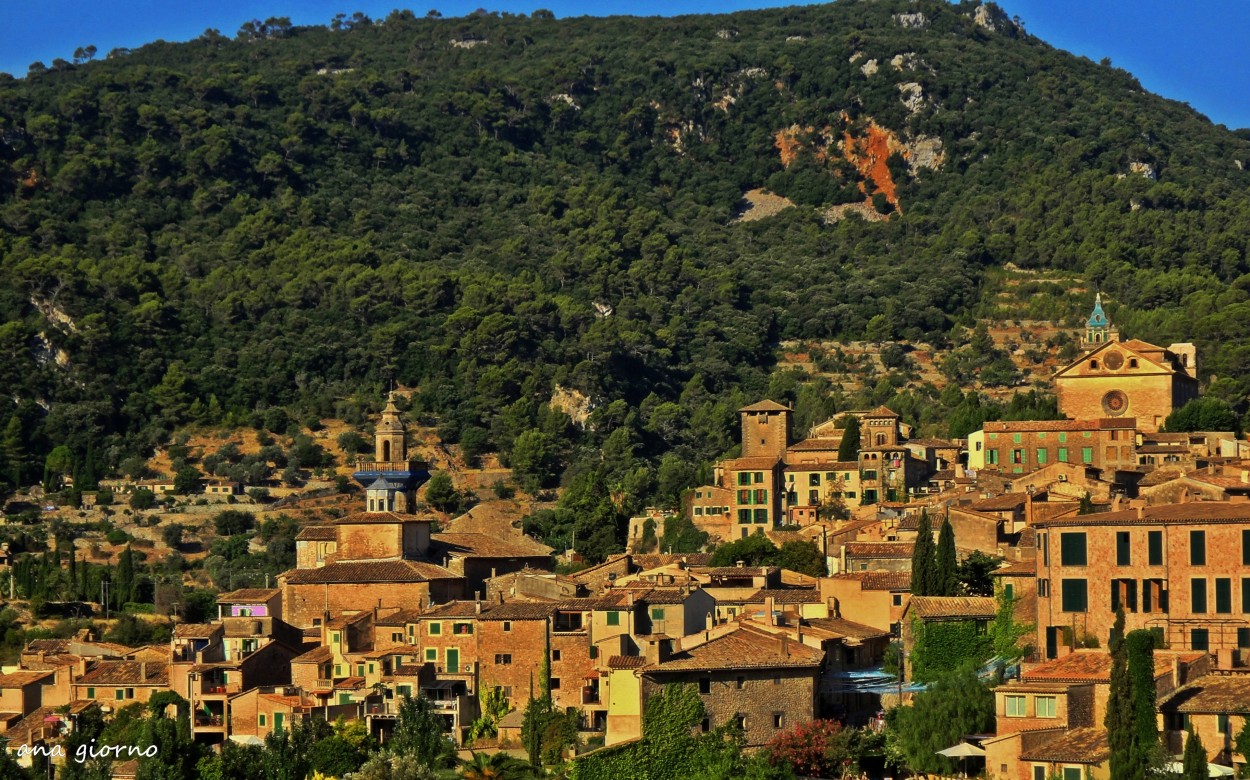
(486, 208)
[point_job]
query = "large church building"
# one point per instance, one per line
(1126, 378)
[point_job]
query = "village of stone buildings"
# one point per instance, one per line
(1086, 516)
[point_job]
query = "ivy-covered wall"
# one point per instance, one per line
(947, 645)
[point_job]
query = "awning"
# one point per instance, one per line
(962, 750)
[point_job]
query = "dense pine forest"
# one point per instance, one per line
(269, 228)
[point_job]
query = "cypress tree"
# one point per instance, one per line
(1144, 733)
(1119, 700)
(1194, 763)
(947, 563)
(848, 449)
(924, 560)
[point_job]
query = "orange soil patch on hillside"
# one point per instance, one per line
(869, 154)
(788, 144)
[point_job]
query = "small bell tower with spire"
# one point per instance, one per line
(391, 479)
(390, 438)
(1098, 328)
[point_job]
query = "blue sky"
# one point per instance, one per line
(1194, 52)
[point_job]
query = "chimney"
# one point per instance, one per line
(1176, 672)
(785, 645)
(1141, 512)
(770, 610)
(477, 607)
(741, 564)
(1115, 503)
(709, 621)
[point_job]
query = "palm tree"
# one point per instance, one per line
(497, 766)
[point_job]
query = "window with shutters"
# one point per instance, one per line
(1123, 549)
(1223, 595)
(1197, 548)
(1198, 595)
(1072, 549)
(1154, 551)
(1074, 595)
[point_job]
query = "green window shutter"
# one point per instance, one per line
(1063, 436)
(1072, 549)
(1245, 595)
(614, 618)
(436, 629)
(1063, 454)
(1245, 548)
(1087, 454)
(1041, 457)
(91, 693)
(1223, 595)
(1123, 549)
(1199, 639)
(1243, 637)
(1074, 595)
(1154, 541)
(1198, 596)
(260, 719)
(657, 613)
(1197, 548)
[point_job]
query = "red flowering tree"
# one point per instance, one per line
(814, 749)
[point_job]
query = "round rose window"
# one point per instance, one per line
(1113, 360)
(1115, 403)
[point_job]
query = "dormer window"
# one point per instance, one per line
(1093, 364)
(1132, 362)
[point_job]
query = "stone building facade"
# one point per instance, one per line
(1181, 570)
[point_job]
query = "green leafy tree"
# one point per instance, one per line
(419, 734)
(441, 493)
(142, 499)
(1203, 414)
(494, 707)
(496, 766)
(233, 522)
(535, 460)
(957, 703)
(975, 573)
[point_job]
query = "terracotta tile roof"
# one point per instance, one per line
(399, 618)
(656, 560)
(1005, 501)
(370, 571)
(880, 549)
(126, 673)
(816, 445)
(1159, 476)
(248, 596)
(487, 546)
(824, 465)
(760, 463)
(519, 610)
(765, 406)
(1235, 483)
(315, 656)
(1016, 569)
(195, 630)
(931, 442)
(1021, 426)
(626, 662)
(846, 628)
(741, 648)
(380, 518)
(1220, 694)
(1192, 512)
(886, 580)
(33, 727)
(735, 571)
(1095, 666)
(350, 683)
(1086, 745)
(452, 609)
(317, 533)
(21, 679)
(952, 607)
(293, 702)
(942, 475)
(882, 411)
(787, 596)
